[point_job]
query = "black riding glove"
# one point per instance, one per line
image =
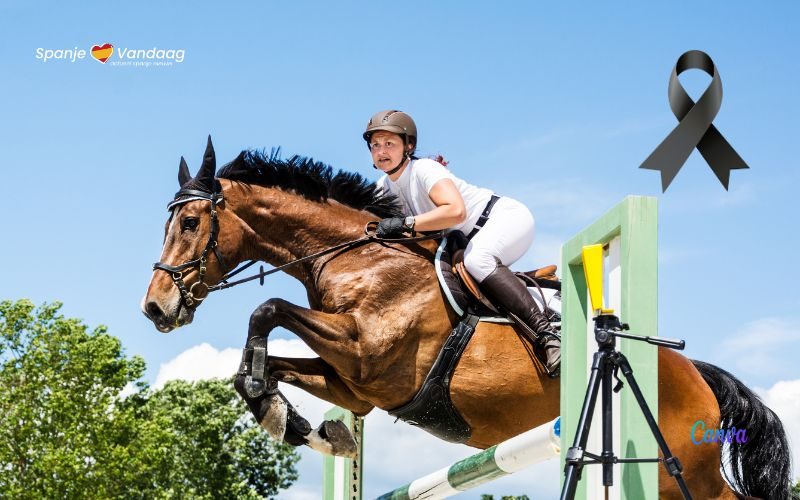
(391, 228)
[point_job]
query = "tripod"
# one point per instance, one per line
(605, 364)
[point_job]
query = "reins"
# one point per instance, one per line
(370, 236)
(190, 298)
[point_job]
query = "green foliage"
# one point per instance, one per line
(67, 431)
(198, 441)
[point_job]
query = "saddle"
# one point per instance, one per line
(463, 288)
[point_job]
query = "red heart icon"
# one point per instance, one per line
(102, 52)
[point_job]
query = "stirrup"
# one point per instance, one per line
(554, 373)
(541, 343)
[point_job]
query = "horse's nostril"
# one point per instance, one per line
(153, 310)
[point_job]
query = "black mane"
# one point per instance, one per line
(311, 179)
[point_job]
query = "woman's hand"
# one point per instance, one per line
(391, 227)
(449, 211)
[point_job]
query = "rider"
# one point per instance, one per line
(437, 199)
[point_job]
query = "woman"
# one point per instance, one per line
(500, 229)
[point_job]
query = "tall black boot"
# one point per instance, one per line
(510, 293)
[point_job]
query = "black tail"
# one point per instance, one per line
(761, 466)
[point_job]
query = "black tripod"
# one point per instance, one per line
(605, 364)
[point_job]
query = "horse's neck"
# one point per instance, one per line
(286, 226)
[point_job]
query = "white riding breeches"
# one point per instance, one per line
(504, 238)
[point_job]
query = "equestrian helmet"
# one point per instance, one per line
(392, 121)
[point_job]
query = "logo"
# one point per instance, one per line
(102, 52)
(717, 435)
(70, 55)
(110, 55)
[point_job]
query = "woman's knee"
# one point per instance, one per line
(479, 264)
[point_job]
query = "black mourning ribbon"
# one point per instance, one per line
(694, 128)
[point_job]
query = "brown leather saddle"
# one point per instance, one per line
(543, 273)
(465, 289)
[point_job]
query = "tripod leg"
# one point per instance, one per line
(608, 428)
(672, 464)
(574, 465)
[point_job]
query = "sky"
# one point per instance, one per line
(556, 105)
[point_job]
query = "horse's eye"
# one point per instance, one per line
(189, 223)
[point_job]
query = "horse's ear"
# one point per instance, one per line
(209, 167)
(183, 173)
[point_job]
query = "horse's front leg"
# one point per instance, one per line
(259, 390)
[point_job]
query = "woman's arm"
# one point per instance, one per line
(449, 211)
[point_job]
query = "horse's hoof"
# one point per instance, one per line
(274, 411)
(332, 437)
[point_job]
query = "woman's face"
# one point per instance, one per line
(386, 149)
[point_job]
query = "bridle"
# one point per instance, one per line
(191, 298)
(199, 289)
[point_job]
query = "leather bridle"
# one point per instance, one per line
(199, 290)
(191, 298)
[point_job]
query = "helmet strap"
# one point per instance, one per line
(395, 169)
(406, 156)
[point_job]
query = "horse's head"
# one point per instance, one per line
(191, 259)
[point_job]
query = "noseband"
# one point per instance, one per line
(199, 289)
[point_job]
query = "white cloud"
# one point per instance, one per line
(204, 361)
(755, 347)
(199, 363)
(784, 399)
(130, 388)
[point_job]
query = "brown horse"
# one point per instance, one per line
(378, 318)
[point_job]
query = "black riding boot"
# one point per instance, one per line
(509, 292)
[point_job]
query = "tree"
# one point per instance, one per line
(197, 440)
(67, 432)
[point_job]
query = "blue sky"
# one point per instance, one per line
(554, 105)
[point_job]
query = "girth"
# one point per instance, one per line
(431, 408)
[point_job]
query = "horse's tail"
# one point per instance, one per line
(759, 467)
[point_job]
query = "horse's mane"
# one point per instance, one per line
(311, 179)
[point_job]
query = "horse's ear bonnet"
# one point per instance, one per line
(209, 167)
(183, 173)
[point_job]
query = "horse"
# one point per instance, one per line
(377, 320)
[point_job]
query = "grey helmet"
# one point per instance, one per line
(392, 121)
